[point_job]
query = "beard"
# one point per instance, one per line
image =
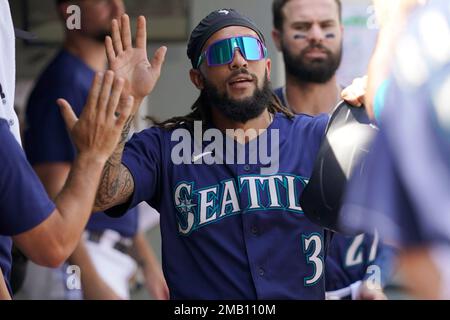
(238, 110)
(99, 36)
(316, 70)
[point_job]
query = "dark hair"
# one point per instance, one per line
(277, 7)
(201, 112)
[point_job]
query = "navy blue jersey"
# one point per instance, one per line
(24, 204)
(349, 257)
(229, 231)
(405, 194)
(46, 139)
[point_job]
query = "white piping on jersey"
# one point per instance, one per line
(351, 290)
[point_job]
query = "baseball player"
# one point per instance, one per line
(231, 228)
(405, 191)
(48, 232)
(104, 254)
(309, 34)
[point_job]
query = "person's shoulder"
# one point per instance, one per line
(63, 77)
(4, 128)
(160, 138)
(302, 119)
(10, 148)
(152, 135)
(279, 93)
(156, 131)
(64, 70)
(302, 126)
(55, 66)
(166, 131)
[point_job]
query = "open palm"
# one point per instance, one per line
(130, 63)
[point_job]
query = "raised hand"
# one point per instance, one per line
(355, 93)
(131, 63)
(99, 128)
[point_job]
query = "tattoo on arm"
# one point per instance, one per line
(125, 132)
(116, 185)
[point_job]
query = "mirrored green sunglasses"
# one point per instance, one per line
(222, 52)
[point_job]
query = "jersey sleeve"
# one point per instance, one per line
(319, 125)
(335, 277)
(46, 136)
(362, 257)
(384, 261)
(143, 157)
(24, 203)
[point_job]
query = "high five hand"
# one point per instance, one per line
(99, 128)
(131, 63)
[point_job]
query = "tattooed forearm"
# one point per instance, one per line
(116, 184)
(125, 132)
(115, 188)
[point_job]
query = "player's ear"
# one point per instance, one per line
(276, 36)
(268, 67)
(197, 78)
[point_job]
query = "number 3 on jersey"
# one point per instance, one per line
(312, 248)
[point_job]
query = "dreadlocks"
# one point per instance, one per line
(201, 112)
